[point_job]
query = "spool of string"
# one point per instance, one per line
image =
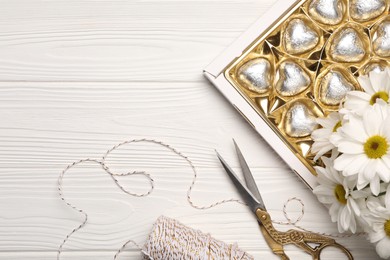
(170, 239)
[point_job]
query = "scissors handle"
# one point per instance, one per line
(277, 239)
(276, 247)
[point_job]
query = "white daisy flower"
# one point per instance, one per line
(376, 86)
(323, 137)
(335, 190)
(378, 217)
(365, 147)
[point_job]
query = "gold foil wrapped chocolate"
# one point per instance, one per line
(303, 67)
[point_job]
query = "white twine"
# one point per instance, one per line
(170, 239)
(113, 175)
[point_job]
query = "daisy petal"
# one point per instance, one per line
(372, 121)
(387, 197)
(356, 101)
(376, 236)
(355, 130)
(352, 225)
(345, 161)
(330, 121)
(354, 167)
(375, 185)
(365, 82)
(354, 207)
(386, 160)
(362, 182)
(322, 190)
(377, 80)
(320, 133)
(345, 218)
(383, 171)
(333, 211)
(322, 151)
(386, 128)
(383, 248)
(349, 147)
(358, 95)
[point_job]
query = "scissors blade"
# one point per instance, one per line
(246, 194)
(249, 180)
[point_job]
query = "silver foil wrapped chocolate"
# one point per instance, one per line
(363, 10)
(293, 79)
(299, 37)
(334, 87)
(256, 75)
(347, 46)
(328, 12)
(299, 120)
(382, 42)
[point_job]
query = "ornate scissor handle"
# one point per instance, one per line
(276, 239)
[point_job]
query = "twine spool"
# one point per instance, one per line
(170, 239)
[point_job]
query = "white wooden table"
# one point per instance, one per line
(79, 76)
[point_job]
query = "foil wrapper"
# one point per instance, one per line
(299, 120)
(329, 12)
(346, 45)
(364, 10)
(299, 37)
(333, 88)
(255, 75)
(382, 42)
(293, 79)
(375, 66)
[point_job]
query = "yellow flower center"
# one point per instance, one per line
(339, 192)
(337, 126)
(375, 147)
(381, 94)
(386, 227)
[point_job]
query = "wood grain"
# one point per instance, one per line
(118, 40)
(77, 77)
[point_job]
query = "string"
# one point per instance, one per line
(137, 245)
(170, 239)
(299, 218)
(107, 170)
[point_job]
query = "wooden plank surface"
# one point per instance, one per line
(77, 77)
(118, 40)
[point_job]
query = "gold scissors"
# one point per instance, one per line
(274, 238)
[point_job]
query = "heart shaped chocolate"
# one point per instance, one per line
(255, 75)
(292, 79)
(347, 46)
(364, 10)
(299, 37)
(374, 67)
(333, 88)
(329, 12)
(299, 120)
(382, 42)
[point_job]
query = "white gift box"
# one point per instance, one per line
(215, 72)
